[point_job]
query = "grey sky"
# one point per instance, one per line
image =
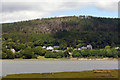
(17, 10)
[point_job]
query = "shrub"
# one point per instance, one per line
(28, 53)
(50, 54)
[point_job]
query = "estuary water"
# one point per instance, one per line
(36, 66)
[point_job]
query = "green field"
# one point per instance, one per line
(64, 75)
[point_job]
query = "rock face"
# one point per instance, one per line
(53, 25)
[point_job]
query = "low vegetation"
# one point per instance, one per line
(84, 74)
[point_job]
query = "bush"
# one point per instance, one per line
(76, 54)
(19, 47)
(18, 55)
(60, 54)
(85, 53)
(10, 54)
(94, 52)
(39, 51)
(3, 55)
(28, 53)
(50, 54)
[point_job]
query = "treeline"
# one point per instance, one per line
(29, 53)
(64, 38)
(107, 52)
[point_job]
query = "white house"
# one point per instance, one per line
(79, 49)
(49, 48)
(13, 50)
(83, 47)
(89, 46)
(117, 47)
(44, 47)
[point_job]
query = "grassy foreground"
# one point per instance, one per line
(84, 74)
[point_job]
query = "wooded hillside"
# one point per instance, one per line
(65, 30)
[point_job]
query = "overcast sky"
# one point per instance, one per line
(19, 10)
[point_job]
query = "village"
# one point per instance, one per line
(56, 48)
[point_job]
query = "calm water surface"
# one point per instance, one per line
(16, 67)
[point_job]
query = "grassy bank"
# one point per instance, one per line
(83, 74)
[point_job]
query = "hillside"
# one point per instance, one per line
(53, 25)
(28, 37)
(92, 30)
